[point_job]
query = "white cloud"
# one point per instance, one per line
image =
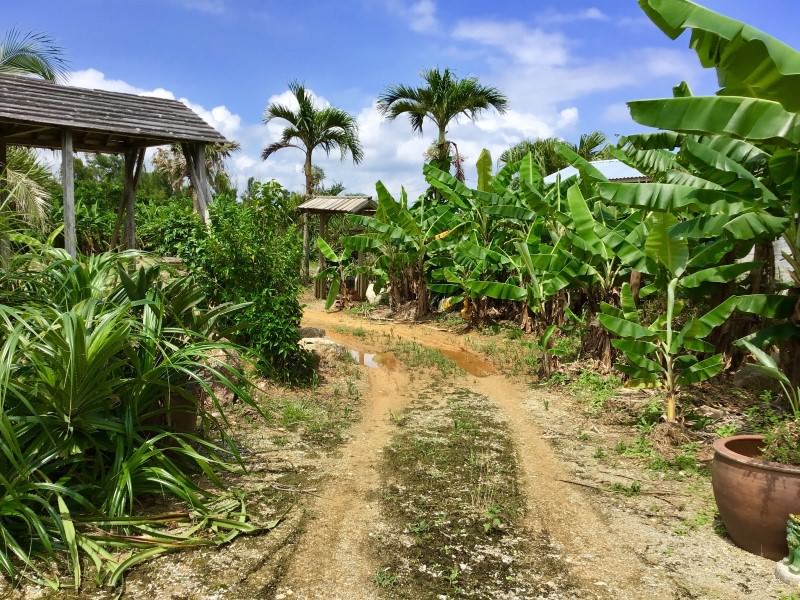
(94, 79)
(517, 40)
(419, 15)
(617, 113)
(589, 14)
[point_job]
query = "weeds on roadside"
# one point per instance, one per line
(416, 356)
(594, 389)
(384, 578)
(634, 489)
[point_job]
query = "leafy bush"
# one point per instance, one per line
(170, 229)
(782, 443)
(250, 254)
(97, 366)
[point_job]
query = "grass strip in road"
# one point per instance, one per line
(453, 508)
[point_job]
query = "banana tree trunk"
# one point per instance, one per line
(762, 278)
(423, 305)
(671, 411)
(527, 322)
(636, 284)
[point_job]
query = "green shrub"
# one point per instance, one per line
(170, 229)
(782, 443)
(250, 254)
(98, 362)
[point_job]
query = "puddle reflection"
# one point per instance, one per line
(371, 360)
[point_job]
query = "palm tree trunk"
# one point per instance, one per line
(309, 192)
(444, 162)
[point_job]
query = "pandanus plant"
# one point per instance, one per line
(93, 356)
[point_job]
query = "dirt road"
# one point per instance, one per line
(336, 557)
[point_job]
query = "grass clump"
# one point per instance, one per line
(417, 356)
(595, 390)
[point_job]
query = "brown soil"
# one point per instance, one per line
(594, 551)
(615, 541)
(332, 558)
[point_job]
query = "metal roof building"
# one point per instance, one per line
(613, 169)
(354, 205)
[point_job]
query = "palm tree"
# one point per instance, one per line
(591, 146)
(309, 128)
(171, 162)
(25, 185)
(443, 98)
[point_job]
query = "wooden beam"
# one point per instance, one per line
(5, 244)
(68, 184)
(26, 132)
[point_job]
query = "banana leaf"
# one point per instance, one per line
(720, 274)
(739, 117)
(702, 371)
(662, 247)
(748, 61)
(495, 289)
(484, 166)
(624, 328)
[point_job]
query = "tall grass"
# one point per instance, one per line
(98, 356)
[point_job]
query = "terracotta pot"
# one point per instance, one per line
(754, 496)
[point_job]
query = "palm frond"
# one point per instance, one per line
(32, 54)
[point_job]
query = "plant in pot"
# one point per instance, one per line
(756, 478)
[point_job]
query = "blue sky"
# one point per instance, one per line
(567, 67)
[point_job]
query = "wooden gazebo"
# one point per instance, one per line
(325, 207)
(42, 114)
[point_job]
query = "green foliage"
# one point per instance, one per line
(102, 371)
(250, 256)
(782, 443)
(595, 389)
(170, 229)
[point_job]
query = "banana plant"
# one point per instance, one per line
(759, 99)
(414, 235)
(338, 268)
(490, 218)
(659, 354)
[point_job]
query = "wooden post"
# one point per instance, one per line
(3, 159)
(68, 186)
(304, 265)
(204, 197)
(5, 244)
(323, 225)
(194, 155)
(134, 159)
(134, 162)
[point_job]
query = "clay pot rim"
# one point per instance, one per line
(721, 449)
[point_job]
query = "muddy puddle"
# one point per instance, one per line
(465, 360)
(469, 362)
(373, 360)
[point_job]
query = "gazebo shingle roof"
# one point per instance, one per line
(34, 112)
